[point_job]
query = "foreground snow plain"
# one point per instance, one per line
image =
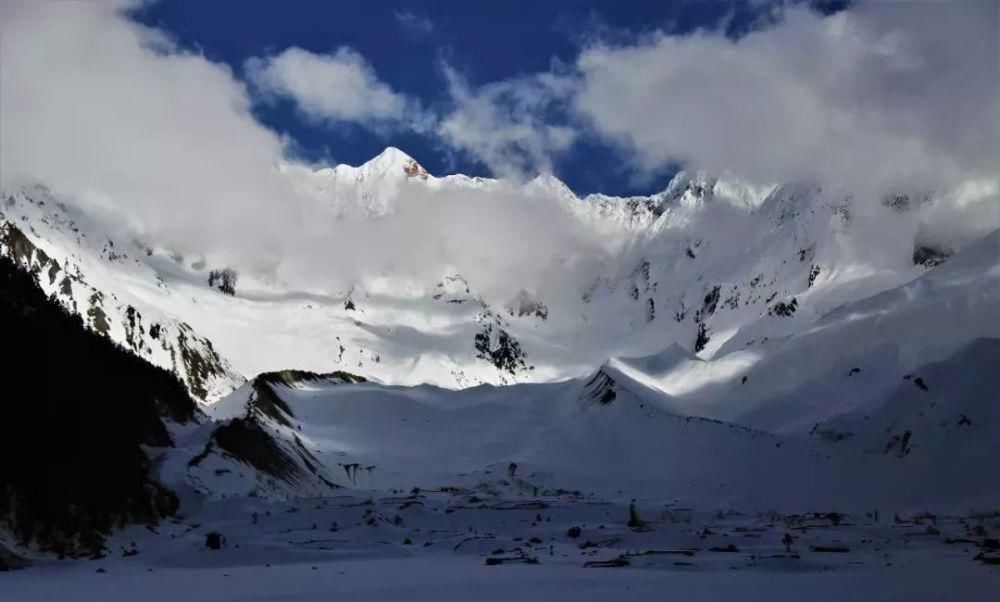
(469, 545)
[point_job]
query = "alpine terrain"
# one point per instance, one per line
(565, 300)
(730, 388)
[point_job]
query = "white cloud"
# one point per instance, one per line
(506, 124)
(881, 96)
(500, 239)
(335, 87)
(411, 22)
(101, 108)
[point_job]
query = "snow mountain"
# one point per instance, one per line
(739, 364)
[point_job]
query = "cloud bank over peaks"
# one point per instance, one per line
(161, 144)
(880, 96)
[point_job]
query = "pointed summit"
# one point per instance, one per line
(393, 161)
(390, 156)
(546, 182)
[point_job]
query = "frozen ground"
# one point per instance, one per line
(462, 544)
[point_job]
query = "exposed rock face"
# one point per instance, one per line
(496, 345)
(412, 169)
(224, 280)
(928, 256)
(165, 342)
(262, 443)
(600, 389)
(785, 308)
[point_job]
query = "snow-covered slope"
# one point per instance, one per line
(604, 434)
(940, 423)
(95, 277)
(850, 358)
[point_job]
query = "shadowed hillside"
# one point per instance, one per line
(76, 409)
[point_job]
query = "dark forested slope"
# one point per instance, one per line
(75, 411)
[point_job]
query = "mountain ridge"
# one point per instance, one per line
(713, 265)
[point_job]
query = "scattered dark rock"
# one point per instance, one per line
(829, 434)
(613, 563)
(929, 257)
(680, 552)
(784, 309)
(814, 272)
(830, 549)
(214, 540)
(729, 549)
(900, 444)
(497, 560)
(702, 338)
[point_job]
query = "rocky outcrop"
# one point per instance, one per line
(163, 341)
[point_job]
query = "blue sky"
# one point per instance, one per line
(406, 43)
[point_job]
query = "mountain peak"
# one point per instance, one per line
(394, 161)
(693, 188)
(546, 183)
